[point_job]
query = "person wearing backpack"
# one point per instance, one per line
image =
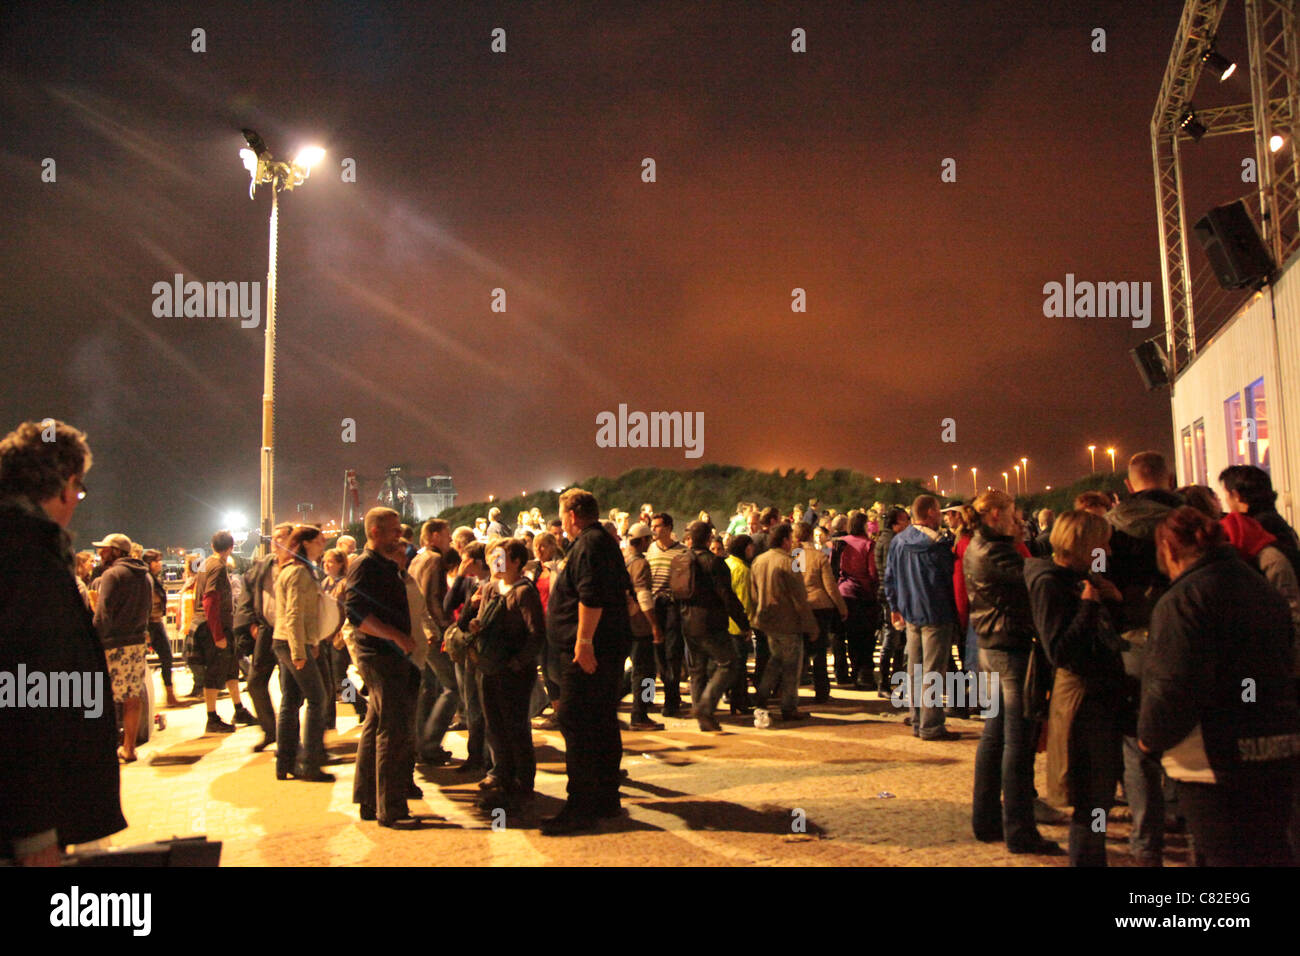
(701, 583)
(506, 685)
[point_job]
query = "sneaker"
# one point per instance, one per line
(646, 724)
(242, 716)
(218, 726)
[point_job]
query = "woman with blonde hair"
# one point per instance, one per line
(1092, 703)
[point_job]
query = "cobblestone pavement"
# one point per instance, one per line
(849, 786)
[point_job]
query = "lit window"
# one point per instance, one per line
(1257, 424)
(1202, 467)
(1234, 430)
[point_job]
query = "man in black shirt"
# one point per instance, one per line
(588, 629)
(378, 609)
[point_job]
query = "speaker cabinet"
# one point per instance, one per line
(1235, 251)
(1149, 357)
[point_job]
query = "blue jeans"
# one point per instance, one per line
(477, 749)
(1143, 789)
(436, 704)
(295, 687)
(1003, 803)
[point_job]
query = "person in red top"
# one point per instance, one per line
(961, 520)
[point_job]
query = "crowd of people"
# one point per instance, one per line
(1148, 642)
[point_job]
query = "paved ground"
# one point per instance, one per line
(866, 792)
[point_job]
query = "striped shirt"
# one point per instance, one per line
(661, 560)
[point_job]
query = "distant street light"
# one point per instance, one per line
(975, 488)
(1006, 483)
(281, 176)
(937, 489)
(1092, 454)
(1017, 467)
(1025, 462)
(954, 478)
(1111, 452)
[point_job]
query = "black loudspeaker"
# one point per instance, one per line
(1233, 246)
(1149, 357)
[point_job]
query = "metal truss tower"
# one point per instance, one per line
(1274, 55)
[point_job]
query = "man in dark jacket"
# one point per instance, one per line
(254, 622)
(1003, 801)
(59, 778)
(704, 625)
(122, 623)
(1218, 698)
(1133, 569)
(918, 584)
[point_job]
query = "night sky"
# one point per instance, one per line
(523, 171)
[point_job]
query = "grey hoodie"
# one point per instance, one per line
(125, 599)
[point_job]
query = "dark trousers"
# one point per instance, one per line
(163, 648)
(386, 752)
(643, 676)
(860, 637)
(297, 686)
(740, 674)
(325, 664)
(1004, 762)
(762, 654)
(828, 621)
(437, 702)
(669, 653)
(1242, 820)
(588, 715)
(712, 670)
(1096, 764)
(505, 712)
(259, 680)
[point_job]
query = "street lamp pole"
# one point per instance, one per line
(279, 175)
(1111, 452)
(1017, 468)
(1006, 483)
(1092, 456)
(1025, 462)
(268, 387)
(974, 480)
